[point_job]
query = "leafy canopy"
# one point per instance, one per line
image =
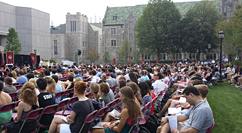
(13, 43)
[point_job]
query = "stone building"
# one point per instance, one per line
(32, 26)
(227, 7)
(76, 34)
(119, 23)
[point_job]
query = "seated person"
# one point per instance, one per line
(131, 111)
(146, 95)
(97, 102)
(21, 77)
(199, 116)
(45, 99)
(104, 89)
(121, 83)
(58, 87)
(9, 88)
(80, 109)
(5, 99)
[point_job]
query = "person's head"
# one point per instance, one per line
(93, 72)
(104, 88)
(121, 83)
(51, 85)
(1, 86)
(135, 89)
(41, 83)
(70, 77)
(128, 99)
(80, 88)
(164, 73)
(28, 95)
(122, 77)
(78, 79)
(47, 72)
(198, 81)
(148, 82)
(41, 74)
(95, 88)
(30, 75)
(191, 93)
(14, 74)
(104, 77)
(133, 77)
(10, 75)
(33, 81)
(55, 77)
(203, 90)
(144, 89)
(76, 72)
(21, 73)
(8, 81)
(157, 76)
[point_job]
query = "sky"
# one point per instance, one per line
(92, 8)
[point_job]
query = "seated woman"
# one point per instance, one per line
(104, 90)
(146, 95)
(32, 80)
(21, 77)
(9, 88)
(131, 111)
(80, 109)
(121, 83)
(137, 94)
(28, 102)
(97, 102)
(4, 99)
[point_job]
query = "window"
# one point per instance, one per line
(214, 56)
(115, 17)
(180, 56)
(73, 26)
(113, 30)
(55, 47)
(146, 56)
(86, 52)
(131, 37)
(176, 56)
(83, 53)
(83, 45)
(113, 42)
(164, 56)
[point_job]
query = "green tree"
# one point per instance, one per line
(136, 55)
(157, 28)
(125, 50)
(92, 56)
(198, 26)
(13, 43)
(106, 56)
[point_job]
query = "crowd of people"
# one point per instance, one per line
(135, 85)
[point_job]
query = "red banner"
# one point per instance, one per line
(143, 60)
(156, 60)
(33, 58)
(114, 61)
(129, 61)
(10, 57)
(2, 59)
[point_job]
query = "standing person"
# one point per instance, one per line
(130, 113)
(9, 88)
(5, 99)
(72, 123)
(45, 99)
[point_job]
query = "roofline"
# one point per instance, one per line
(105, 15)
(112, 24)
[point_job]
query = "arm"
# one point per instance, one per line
(19, 111)
(69, 85)
(71, 118)
(181, 118)
(122, 122)
(189, 130)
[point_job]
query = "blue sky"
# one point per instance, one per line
(59, 8)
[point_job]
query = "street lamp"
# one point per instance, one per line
(209, 47)
(221, 36)
(35, 51)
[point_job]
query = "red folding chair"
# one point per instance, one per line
(66, 92)
(22, 83)
(71, 101)
(89, 95)
(34, 114)
(62, 104)
(101, 112)
(13, 95)
(58, 94)
(211, 128)
(115, 102)
(88, 122)
(14, 84)
(6, 108)
(18, 87)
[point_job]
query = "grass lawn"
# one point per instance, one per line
(226, 103)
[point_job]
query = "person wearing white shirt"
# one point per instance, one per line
(94, 79)
(158, 85)
(166, 79)
(127, 75)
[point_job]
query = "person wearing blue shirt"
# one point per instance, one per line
(58, 88)
(21, 78)
(76, 72)
(142, 78)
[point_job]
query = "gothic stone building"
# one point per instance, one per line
(76, 34)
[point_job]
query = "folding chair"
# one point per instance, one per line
(58, 94)
(114, 102)
(18, 87)
(14, 84)
(13, 95)
(71, 101)
(89, 95)
(134, 128)
(34, 114)
(6, 108)
(210, 128)
(22, 83)
(88, 121)
(62, 104)
(66, 92)
(48, 110)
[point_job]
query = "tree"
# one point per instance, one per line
(13, 43)
(92, 56)
(157, 28)
(125, 50)
(198, 26)
(106, 56)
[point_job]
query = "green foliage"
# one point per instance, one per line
(197, 27)
(106, 56)
(52, 61)
(235, 62)
(125, 50)
(136, 55)
(13, 43)
(157, 28)
(92, 56)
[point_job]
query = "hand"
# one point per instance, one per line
(178, 106)
(15, 118)
(164, 121)
(69, 120)
(175, 130)
(105, 125)
(111, 126)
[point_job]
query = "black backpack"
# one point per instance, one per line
(151, 124)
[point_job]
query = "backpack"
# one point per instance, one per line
(98, 104)
(151, 124)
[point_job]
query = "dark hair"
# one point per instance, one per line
(191, 89)
(55, 77)
(10, 75)
(191, 73)
(42, 83)
(104, 88)
(1, 86)
(76, 72)
(30, 75)
(122, 83)
(144, 88)
(47, 72)
(94, 72)
(148, 82)
(159, 75)
(54, 71)
(133, 77)
(203, 90)
(8, 81)
(70, 77)
(165, 73)
(21, 72)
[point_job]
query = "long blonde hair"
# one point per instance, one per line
(51, 85)
(95, 88)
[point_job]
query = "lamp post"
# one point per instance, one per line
(35, 51)
(221, 36)
(209, 47)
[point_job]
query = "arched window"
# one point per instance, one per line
(180, 56)
(214, 56)
(164, 56)
(190, 56)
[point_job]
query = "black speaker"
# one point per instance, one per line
(79, 52)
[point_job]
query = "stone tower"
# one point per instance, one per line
(228, 7)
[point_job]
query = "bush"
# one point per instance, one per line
(235, 62)
(52, 61)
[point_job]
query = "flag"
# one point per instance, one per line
(114, 61)
(129, 61)
(10, 57)
(2, 58)
(143, 60)
(33, 58)
(156, 60)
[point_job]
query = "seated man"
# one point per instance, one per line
(200, 114)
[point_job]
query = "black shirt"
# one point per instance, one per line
(46, 99)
